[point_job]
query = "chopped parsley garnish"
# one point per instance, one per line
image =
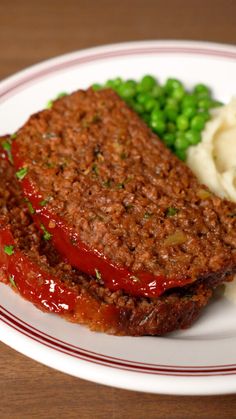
(49, 104)
(9, 250)
(120, 186)
(96, 118)
(45, 201)
(62, 94)
(49, 164)
(46, 234)
(59, 96)
(147, 215)
(98, 274)
(107, 183)
(95, 169)
(30, 208)
(21, 173)
(29, 205)
(171, 211)
(12, 281)
(13, 136)
(125, 181)
(6, 145)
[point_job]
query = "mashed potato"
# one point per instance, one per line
(214, 159)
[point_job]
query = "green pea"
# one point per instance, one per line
(201, 88)
(178, 93)
(157, 114)
(117, 82)
(204, 104)
(172, 102)
(171, 127)
(188, 100)
(127, 90)
(143, 97)
(182, 154)
(138, 107)
(171, 113)
(158, 126)
(150, 104)
(162, 101)
(172, 84)
(193, 137)
(158, 94)
(157, 107)
(182, 123)
(205, 115)
(131, 82)
(146, 84)
(169, 110)
(197, 123)
(189, 111)
(201, 96)
(157, 91)
(169, 139)
(110, 83)
(181, 143)
(146, 118)
(172, 105)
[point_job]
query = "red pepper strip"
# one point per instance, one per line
(92, 262)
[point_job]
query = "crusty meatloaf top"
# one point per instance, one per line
(101, 169)
(96, 306)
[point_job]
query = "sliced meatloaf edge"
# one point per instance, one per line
(96, 306)
(100, 169)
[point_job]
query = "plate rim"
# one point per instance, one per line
(127, 380)
(209, 387)
(229, 50)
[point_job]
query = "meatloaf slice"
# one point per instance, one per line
(35, 270)
(105, 185)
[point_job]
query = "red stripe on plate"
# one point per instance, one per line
(48, 341)
(38, 74)
(64, 347)
(106, 357)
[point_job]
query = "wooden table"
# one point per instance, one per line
(32, 31)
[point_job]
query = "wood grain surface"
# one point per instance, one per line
(31, 31)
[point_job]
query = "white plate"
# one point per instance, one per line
(201, 360)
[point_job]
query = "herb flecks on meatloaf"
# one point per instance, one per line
(89, 303)
(122, 193)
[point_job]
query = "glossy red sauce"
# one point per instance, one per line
(33, 283)
(91, 261)
(49, 293)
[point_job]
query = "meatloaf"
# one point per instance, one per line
(122, 195)
(93, 304)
